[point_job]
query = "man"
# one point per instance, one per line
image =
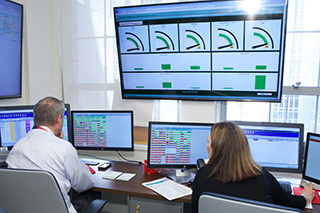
(42, 148)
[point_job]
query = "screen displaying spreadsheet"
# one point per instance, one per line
(177, 145)
(103, 130)
(16, 121)
(275, 146)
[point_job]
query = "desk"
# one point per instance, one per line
(134, 188)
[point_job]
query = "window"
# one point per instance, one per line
(301, 89)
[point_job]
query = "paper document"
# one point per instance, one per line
(112, 175)
(168, 188)
(126, 176)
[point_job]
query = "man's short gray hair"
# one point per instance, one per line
(47, 111)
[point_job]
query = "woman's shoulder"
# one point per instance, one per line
(205, 170)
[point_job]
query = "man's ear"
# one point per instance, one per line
(60, 119)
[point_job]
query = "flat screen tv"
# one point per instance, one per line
(207, 50)
(11, 16)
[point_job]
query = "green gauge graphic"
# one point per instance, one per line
(166, 41)
(264, 36)
(135, 40)
(197, 40)
(231, 41)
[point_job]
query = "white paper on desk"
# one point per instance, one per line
(112, 175)
(168, 188)
(126, 176)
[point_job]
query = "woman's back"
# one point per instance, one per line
(263, 188)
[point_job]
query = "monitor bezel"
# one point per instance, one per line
(304, 176)
(288, 125)
(67, 106)
(104, 148)
(177, 166)
(11, 108)
(215, 96)
(21, 53)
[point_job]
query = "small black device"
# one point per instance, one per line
(200, 163)
(104, 166)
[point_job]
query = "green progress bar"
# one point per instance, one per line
(166, 85)
(138, 68)
(260, 82)
(139, 87)
(228, 68)
(261, 67)
(195, 67)
(227, 87)
(166, 66)
(195, 87)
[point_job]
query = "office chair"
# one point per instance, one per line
(217, 203)
(24, 190)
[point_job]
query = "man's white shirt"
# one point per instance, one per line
(41, 149)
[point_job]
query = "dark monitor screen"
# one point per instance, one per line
(277, 147)
(311, 169)
(202, 50)
(102, 130)
(177, 145)
(11, 16)
(16, 121)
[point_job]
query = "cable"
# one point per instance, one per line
(132, 161)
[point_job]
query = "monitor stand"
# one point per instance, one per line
(182, 175)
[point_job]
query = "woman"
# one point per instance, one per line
(232, 171)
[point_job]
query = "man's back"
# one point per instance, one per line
(41, 149)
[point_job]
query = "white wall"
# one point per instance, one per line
(42, 40)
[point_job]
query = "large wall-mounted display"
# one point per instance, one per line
(215, 50)
(11, 15)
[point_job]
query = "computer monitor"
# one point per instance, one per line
(67, 123)
(278, 147)
(16, 121)
(311, 169)
(102, 130)
(177, 144)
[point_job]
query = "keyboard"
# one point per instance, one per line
(286, 186)
(91, 162)
(314, 186)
